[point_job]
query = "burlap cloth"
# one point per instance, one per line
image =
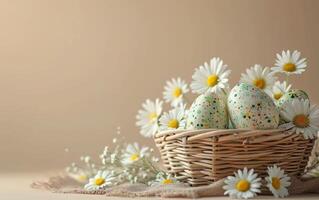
(64, 184)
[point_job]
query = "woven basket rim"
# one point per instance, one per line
(199, 131)
(191, 135)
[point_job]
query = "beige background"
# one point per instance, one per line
(72, 71)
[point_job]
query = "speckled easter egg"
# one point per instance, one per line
(208, 111)
(250, 107)
(288, 98)
(291, 95)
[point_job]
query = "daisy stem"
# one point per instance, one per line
(287, 79)
(150, 165)
(224, 92)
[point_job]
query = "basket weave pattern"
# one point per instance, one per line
(200, 157)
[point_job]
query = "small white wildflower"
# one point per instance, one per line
(113, 157)
(154, 159)
(87, 159)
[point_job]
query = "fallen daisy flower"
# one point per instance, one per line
(243, 185)
(277, 181)
(100, 181)
(164, 179)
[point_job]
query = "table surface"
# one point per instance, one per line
(16, 186)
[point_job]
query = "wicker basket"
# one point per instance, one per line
(200, 157)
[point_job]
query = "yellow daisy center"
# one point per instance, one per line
(177, 92)
(260, 83)
(134, 157)
(99, 181)
(277, 96)
(167, 181)
(289, 67)
(243, 185)
(301, 121)
(212, 80)
(152, 116)
(275, 182)
(173, 123)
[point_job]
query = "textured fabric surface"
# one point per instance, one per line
(64, 184)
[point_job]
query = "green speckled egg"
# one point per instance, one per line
(289, 96)
(250, 107)
(208, 111)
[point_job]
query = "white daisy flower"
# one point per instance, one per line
(100, 181)
(174, 119)
(277, 181)
(301, 117)
(290, 63)
(259, 77)
(279, 89)
(134, 153)
(164, 179)
(211, 77)
(174, 91)
(147, 118)
(244, 184)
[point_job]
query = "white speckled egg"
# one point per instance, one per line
(288, 97)
(250, 107)
(291, 95)
(208, 111)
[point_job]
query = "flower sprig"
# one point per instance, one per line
(118, 164)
